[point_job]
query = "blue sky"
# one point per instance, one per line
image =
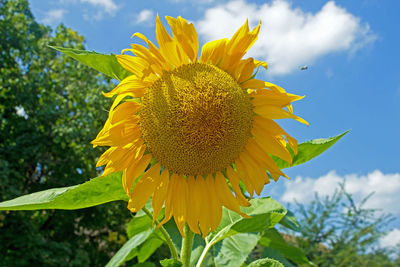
(352, 80)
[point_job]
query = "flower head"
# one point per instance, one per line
(191, 125)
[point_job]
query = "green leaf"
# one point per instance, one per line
(274, 254)
(138, 224)
(122, 254)
(170, 263)
(273, 239)
(106, 64)
(148, 248)
(266, 262)
(94, 192)
(234, 250)
(264, 212)
(309, 150)
(290, 222)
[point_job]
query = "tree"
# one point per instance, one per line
(51, 107)
(337, 231)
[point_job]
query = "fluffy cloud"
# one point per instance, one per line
(386, 188)
(289, 37)
(391, 239)
(107, 6)
(53, 16)
(145, 16)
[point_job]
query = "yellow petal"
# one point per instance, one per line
(254, 84)
(180, 200)
(274, 112)
(267, 97)
(134, 170)
(205, 218)
(238, 45)
(154, 50)
(160, 194)
(270, 143)
(244, 70)
(169, 198)
(135, 65)
(193, 213)
(145, 187)
(119, 134)
(105, 157)
(256, 172)
(130, 84)
(124, 111)
(168, 47)
(225, 195)
(215, 207)
(270, 165)
(213, 52)
(186, 36)
(274, 129)
(234, 179)
(241, 169)
(123, 157)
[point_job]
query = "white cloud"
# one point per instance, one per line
(386, 188)
(107, 6)
(391, 239)
(98, 9)
(145, 16)
(289, 37)
(53, 16)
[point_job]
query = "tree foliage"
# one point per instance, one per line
(338, 231)
(51, 107)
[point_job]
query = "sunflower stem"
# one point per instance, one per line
(187, 244)
(167, 238)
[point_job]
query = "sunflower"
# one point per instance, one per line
(191, 133)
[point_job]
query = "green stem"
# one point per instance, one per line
(203, 255)
(167, 238)
(187, 244)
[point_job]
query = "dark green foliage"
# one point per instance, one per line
(48, 145)
(336, 231)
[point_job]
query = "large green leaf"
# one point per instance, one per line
(265, 213)
(271, 238)
(266, 262)
(309, 150)
(138, 224)
(106, 64)
(94, 192)
(234, 250)
(149, 247)
(122, 255)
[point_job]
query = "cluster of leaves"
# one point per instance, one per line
(50, 109)
(337, 231)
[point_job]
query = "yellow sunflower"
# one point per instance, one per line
(197, 128)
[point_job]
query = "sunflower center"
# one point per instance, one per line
(196, 119)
